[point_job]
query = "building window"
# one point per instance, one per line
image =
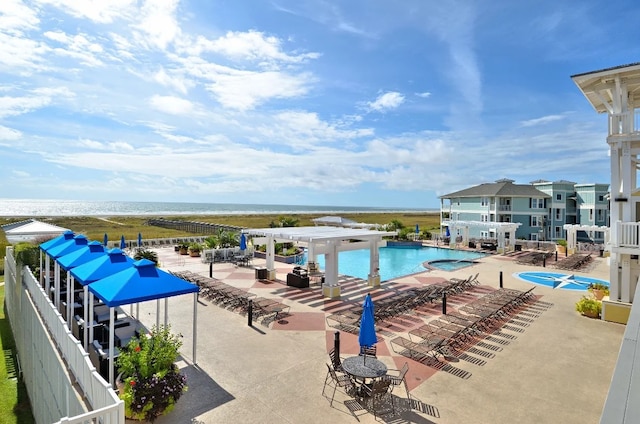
(558, 231)
(537, 203)
(601, 198)
(484, 217)
(558, 214)
(536, 221)
(559, 196)
(485, 201)
(590, 214)
(484, 234)
(600, 215)
(534, 236)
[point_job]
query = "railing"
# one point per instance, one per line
(47, 380)
(628, 234)
(504, 208)
(624, 123)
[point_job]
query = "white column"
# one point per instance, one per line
(56, 284)
(47, 275)
(625, 278)
(331, 287)
(374, 264)
(271, 257)
(614, 277)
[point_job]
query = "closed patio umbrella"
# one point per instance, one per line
(139, 239)
(367, 335)
(123, 245)
(243, 242)
(106, 240)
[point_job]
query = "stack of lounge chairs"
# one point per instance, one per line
(574, 262)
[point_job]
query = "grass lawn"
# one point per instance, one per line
(14, 401)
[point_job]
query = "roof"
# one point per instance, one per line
(30, 230)
(501, 188)
(599, 86)
(322, 233)
(338, 221)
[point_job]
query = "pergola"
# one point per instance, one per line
(501, 229)
(572, 234)
(328, 241)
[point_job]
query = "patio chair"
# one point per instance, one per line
(343, 381)
(377, 393)
(368, 351)
(336, 361)
(399, 378)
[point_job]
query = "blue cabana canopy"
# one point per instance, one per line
(78, 242)
(103, 266)
(62, 238)
(139, 283)
(91, 251)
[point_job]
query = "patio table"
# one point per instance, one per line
(362, 368)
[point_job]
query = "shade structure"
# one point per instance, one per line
(96, 269)
(138, 283)
(77, 242)
(123, 245)
(243, 241)
(141, 282)
(80, 256)
(367, 335)
(139, 239)
(106, 239)
(102, 266)
(49, 244)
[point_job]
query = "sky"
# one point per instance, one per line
(304, 102)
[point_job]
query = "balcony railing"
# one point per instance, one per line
(504, 208)
(624, 123)
(627, 235)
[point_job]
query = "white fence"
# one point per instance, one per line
(36, 324)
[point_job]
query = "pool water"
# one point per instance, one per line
(397, 261)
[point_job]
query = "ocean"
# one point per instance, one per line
(34, 208)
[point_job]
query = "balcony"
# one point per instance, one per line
(624, 123)
(627, 235)
(504, 208)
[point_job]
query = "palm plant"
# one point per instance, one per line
(142, 253)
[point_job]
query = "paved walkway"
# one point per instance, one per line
(556, 367)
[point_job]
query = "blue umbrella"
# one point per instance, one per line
(446, 232)
(123, 245)
(417, 229)
(139, 239)
(243, 241)
(106, 240)
(367, 336)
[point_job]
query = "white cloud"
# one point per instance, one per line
(78, 47)
(158, 23)
(99, 11)
(387, 101)
(13, 106)
(20, 55)
(250, 46)
(9, 133)
(424, 94)
(541, 121)
(244, 90)
(174, 81)
(171, 105)
(16, 17)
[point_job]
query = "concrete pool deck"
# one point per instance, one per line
(557, 370)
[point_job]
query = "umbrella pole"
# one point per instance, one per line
(195, 325)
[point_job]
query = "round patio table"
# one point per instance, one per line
(364, 367)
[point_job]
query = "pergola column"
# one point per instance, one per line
(331, 287)
(271, 270)
(373, 279)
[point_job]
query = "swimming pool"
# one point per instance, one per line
(397, 261)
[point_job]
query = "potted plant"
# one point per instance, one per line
(561, 245)
(589, 307)
(194, 249)
(183, 248)
(598, 290)
(149, 382)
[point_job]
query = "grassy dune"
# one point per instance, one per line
(129, 226)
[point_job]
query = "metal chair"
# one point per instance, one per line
(377, 392)
(400, 378)
(368, 351)
(336, 362)
(343, 381)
